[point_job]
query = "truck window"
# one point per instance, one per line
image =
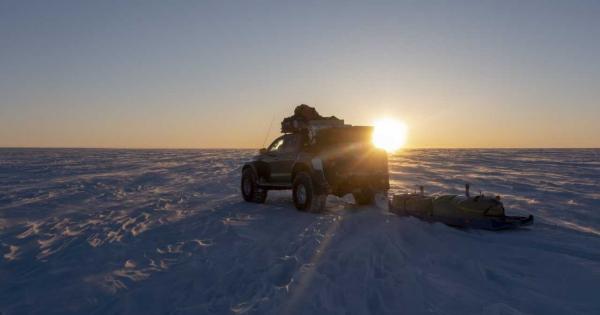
(291, 143)
(276, 145)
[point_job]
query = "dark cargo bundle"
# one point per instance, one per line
(303, 117)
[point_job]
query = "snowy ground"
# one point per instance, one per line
(166, 232)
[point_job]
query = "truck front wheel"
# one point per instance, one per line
(250, 190)
(305, 196)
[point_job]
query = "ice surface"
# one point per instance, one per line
(166, 232)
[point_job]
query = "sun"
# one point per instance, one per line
(389, 134)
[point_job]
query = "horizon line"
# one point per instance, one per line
(256, 148)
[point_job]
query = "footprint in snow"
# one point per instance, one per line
(282, 271)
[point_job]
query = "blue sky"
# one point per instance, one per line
(215, 73)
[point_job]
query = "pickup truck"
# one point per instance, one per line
(315, 163)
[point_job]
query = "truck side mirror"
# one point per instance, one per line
(262, 151)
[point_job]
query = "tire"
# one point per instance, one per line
(303, 193)
(249, 187)
(364, 197)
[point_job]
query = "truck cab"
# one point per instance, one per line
(275, 163)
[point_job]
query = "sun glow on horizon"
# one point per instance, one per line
(389, 134)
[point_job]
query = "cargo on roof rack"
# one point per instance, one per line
(305, 118)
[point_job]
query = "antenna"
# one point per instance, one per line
(268, 131)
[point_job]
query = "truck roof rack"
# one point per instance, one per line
(307, 119)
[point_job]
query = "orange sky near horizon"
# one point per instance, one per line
(462, 74)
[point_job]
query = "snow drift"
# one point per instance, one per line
(166, 231)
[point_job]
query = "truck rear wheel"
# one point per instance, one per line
(249, 186)
(305, 196)
(369, 197)
(364, 197)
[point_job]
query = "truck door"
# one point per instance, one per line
(269, 159)
(281, 170)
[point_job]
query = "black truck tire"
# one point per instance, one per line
(305, 196)
(364, 197)
(250, 190)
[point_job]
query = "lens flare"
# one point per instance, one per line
(389, 134)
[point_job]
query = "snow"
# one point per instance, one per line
(166, 231)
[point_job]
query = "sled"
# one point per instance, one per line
(479, 212)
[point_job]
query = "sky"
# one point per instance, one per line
(218, 74)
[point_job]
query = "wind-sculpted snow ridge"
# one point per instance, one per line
(166, 232)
